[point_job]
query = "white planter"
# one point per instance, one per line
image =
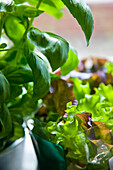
(11, 158)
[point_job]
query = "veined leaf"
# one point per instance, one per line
(81, 11)
(71, 63)
(5, 121)
(4, 88)
(54, 47)
(40, 74)
(18, 75)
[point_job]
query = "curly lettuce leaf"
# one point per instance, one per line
(60, 93)
(80, 89)
(109, 67)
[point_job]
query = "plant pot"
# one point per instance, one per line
(11, 157)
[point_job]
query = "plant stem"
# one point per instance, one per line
(32, 19)
(14, 49)
(25, 34)
(39, 2)
(1, 23)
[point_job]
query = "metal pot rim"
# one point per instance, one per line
(11, 147)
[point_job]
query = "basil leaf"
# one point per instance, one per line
(71, 63)
(3, 64)
(5, 121)
(3, 45)
(4, 88)
(16, 90)
(40, 74)
(18, 75)
(14, 28)
(52, 46)
(18, 131)
(33, 2)
(52, 7)
(81, 11)
(23, 107)
(27, 11)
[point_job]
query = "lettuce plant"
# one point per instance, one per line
(83, 128)
(26, 55)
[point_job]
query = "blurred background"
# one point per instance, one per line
(101, 43)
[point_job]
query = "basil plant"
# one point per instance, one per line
(29, 56)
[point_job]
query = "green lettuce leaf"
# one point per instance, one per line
(80, 90)
(106, 91)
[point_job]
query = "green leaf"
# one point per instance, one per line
(40, 74)
(52, 46)
(14, 28)
(80, 90)
(3, 45)
(5, 121)
(88, 104)
(69, 134)
(52, 7)
(33, 2)
(54, 76)
(71, 63)
(10, 56)
(6, 5)
(109, 67)
(18, 75)
(16, 90)
(4, 88)
(18, 131)
(16, 56)
(3, 64)
(27, 11)
(106, 91)
(81, 11)
(24, 107)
